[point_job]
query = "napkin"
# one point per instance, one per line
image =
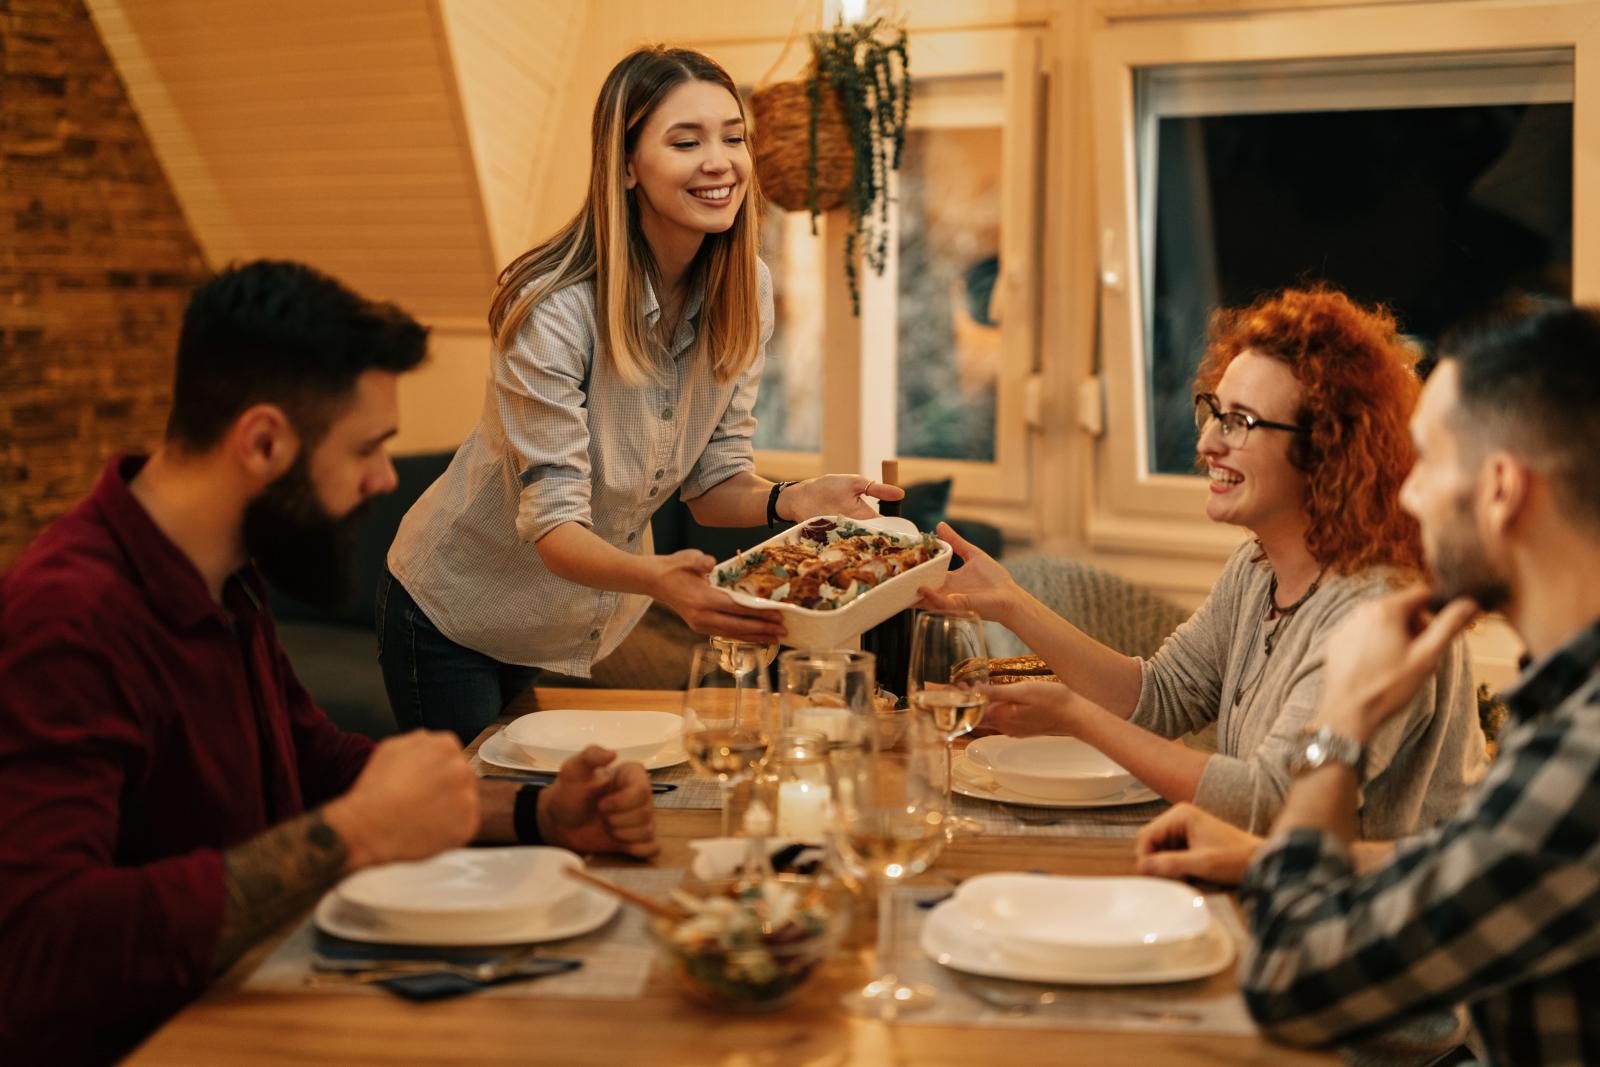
(436, 985)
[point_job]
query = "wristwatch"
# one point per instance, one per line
(1323, 747)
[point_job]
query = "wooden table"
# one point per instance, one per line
(232, 1027)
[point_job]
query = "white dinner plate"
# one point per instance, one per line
(585, 910)
(1109, 924)
(466, 885)
(970, 780)
(502, 753)
(948, 939)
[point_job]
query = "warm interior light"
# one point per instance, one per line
(848, 10)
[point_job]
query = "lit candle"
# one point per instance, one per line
(802, 810)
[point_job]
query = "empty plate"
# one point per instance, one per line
(499, 752)
(561, 733)
(1114, 924)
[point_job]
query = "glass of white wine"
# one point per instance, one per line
(885, 825)
(948, 658)
(727, 714)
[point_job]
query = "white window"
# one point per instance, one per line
(1423, 162)
(935, 370)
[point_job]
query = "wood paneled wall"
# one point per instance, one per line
(325, 132)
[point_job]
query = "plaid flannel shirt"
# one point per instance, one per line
(1498, 907)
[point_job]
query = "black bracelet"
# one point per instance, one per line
(525, 815)
(772, 503)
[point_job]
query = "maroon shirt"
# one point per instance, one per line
(143, 729)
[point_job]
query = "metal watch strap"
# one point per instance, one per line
(1323, 747)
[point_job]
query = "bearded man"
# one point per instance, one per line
(1498, 907)
(169, 793)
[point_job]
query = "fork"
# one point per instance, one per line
(1017, 998)
(521, 961)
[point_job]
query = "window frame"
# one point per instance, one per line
(853, 432)
(1131, 508)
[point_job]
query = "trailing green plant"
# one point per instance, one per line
(866, 66)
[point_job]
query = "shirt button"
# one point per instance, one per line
(631, 537)
(660, 472)
(594, 635)
(654, 490)
(666, 413)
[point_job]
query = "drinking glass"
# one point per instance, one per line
(829, 692)
(948, 658)
(886, 825)
(727, 714)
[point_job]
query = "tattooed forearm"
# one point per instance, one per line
(273, 878)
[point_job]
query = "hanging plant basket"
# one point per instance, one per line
(830, 139)
(783, 154)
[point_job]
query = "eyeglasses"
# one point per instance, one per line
(1236, 425)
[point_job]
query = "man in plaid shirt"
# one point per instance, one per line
(1499, 906)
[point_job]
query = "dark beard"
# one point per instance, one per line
(1461, 567)
(299, 547)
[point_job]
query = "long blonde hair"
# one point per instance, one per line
(604, 241)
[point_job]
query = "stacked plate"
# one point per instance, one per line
(1094, 931)
(543, 740)
(488, 896)
(1059, 772)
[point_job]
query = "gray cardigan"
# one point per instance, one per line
(1419, 766)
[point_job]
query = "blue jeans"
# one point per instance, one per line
(434, 682)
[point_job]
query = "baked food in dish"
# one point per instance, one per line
(827, 565)
(1009, 670)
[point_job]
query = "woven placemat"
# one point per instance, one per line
(616, 958)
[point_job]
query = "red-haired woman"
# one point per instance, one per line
(1302, 401)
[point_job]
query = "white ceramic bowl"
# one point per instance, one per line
(1115, 924)
(1056, 768)
(467, 892)
(810, 628)
(559, 734)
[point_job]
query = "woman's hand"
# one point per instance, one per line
(981, 585)
(1191, 845)
(681, 585)
(834, 494)
(1029, 709)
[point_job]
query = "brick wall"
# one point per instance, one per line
(95, 264)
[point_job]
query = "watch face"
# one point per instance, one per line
(1316, 752)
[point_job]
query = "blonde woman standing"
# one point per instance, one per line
(627, 352)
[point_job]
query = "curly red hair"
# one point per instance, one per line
(1358, 385)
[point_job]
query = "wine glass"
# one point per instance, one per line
(727, 714)
(948, 658)
(887, 824)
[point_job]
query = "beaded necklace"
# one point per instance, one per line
(1280, 618)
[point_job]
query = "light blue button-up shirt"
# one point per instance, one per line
(563, 438)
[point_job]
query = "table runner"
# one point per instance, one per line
(1207, 1006)
(998, 819)
(616, 958)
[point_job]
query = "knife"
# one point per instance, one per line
(657, 788)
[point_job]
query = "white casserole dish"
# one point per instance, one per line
(813, 628)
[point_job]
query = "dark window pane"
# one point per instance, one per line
(1433, 211)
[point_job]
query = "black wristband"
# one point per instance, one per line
(525, 815)
(772, 503)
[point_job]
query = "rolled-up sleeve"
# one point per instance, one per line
(731, 449)
(539, 385)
